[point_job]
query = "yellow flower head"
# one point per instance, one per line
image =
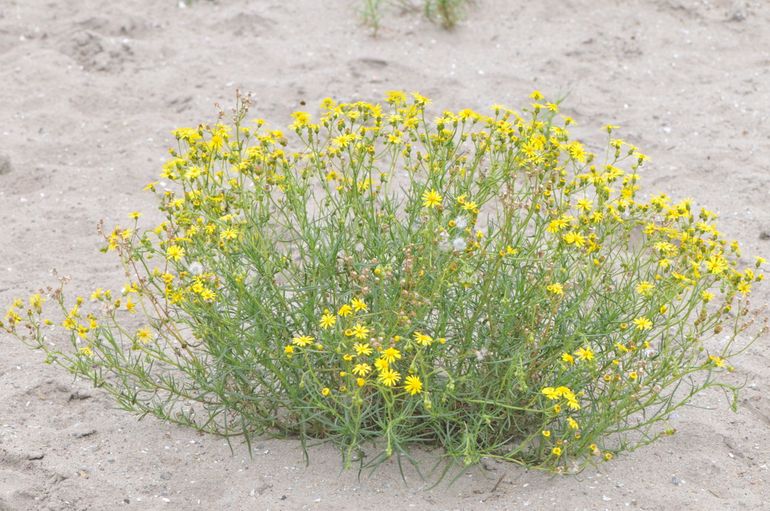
(584, 354)
(556, 289)
(389, 377)
(717, 361)
(327, 320)
(395, 97)
(431, 199)
(643, 324)
(36, 302)
(423, 339)
(361, 369)
(390, 355)
(413, 385)
(358, 331)
(174, 252)
(143, 335)
(302, 340)
(362, 348)
(359, 305)
(645, 288)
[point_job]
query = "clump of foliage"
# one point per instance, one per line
(445, 12)
(476, 282)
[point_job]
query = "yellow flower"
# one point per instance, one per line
(390, 355)
(302, 340)
(134, 215)
(228, 234)
(431, 199)
(585, 204)
(86, 351)
(36, 302)
(546, 433)
(556, 451)
(68, 323)
(174, 252)
(300, 119)
(413, 385)
(358, 305)
(566, 357)
(423, 339)
(360, 382)
(555, 288)
(716, 264)
(143, 335)
(573, 424)
(327, 320)
(558, 224)
(584, 354)
(643, 324)
(325, 391)
(395, 97)
(550, 393)
(419, 99)
(362, 349)
(574, 238)
(744, 288)
(358, 331)
(288, 350)
(362, 369)
(471, 207)
(633, 375)
(717, 361)
(645, 288)
(345, 310)
(389, 377)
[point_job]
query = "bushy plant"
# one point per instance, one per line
(445, 12)
(477, 282)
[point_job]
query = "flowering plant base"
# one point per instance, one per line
(478, 282)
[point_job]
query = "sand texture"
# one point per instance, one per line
(90, 90)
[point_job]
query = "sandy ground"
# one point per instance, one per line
(90, 89)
